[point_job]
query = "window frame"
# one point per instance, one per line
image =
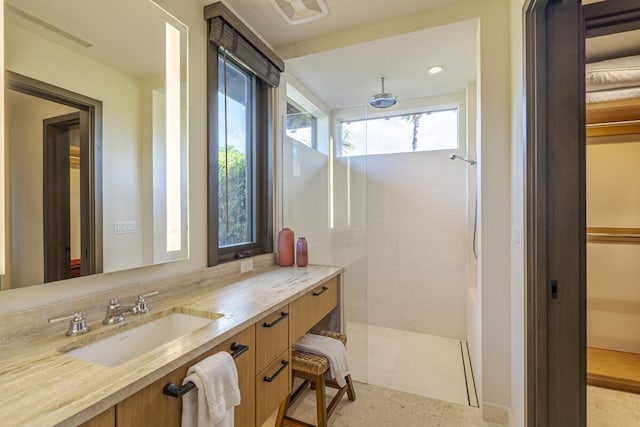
(312, 118)
(436, 108)
(263, 172)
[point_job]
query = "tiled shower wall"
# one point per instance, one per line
(417, 242)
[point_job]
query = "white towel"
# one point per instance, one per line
(330, 348)
(216, 378)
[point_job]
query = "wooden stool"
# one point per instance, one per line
(312, 368)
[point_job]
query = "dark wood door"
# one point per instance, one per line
(556, 193)
(57, 139)
(60, 134)
(556, 224)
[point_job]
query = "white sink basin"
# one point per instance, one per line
(131, 343)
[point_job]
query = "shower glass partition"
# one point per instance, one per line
(323, 196)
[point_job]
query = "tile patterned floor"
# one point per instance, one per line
(382, 407)
(611, 408)
(378, 406)
(424, 403)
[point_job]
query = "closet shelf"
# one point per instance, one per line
(613, 234)
(613, 118)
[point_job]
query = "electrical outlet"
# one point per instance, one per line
(246, 265)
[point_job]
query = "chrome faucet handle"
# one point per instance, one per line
(141, 305)
(77, 325)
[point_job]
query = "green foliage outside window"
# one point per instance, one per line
(233, 227)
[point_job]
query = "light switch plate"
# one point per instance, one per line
(123, 227)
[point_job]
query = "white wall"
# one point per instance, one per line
(305, 173)
(613, 200)
(303, 176)
(517, 218)
(417, 242)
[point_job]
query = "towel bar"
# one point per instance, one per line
(177, 391)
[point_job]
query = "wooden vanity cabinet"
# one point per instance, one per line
(273, 385)
(272, 363)
(105, 419)
(309, 309)
(272, 337)
(264, 371)
(149, 407)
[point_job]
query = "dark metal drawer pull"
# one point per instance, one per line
(283, 316)
(324, 289)
(278, 372)
(176, 391)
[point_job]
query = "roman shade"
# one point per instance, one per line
(222, 34)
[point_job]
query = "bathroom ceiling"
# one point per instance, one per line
(348, 76)
(343, 15)
(112, 32)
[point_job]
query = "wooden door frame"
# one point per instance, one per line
(556, 201)
(91, 192)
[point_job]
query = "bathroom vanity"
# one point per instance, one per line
(266, 312)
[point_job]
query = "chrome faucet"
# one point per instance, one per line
(115, 310)
(77, 324)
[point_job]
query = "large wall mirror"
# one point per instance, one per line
(95, 138)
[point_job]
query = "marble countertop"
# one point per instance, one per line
(43, 387)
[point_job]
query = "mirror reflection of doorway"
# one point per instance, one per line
(53, 177)
(64, 210)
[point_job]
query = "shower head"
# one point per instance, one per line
(383, 99)
(464, 159)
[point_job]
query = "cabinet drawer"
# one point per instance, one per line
(272, 337)
(105, 419)
(272, 387)
(309, 309)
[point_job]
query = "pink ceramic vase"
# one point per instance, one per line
(285, 247)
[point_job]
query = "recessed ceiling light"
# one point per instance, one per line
(435, 69)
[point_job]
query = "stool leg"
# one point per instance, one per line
(321, 401)
(282, 411)
(351, 392)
